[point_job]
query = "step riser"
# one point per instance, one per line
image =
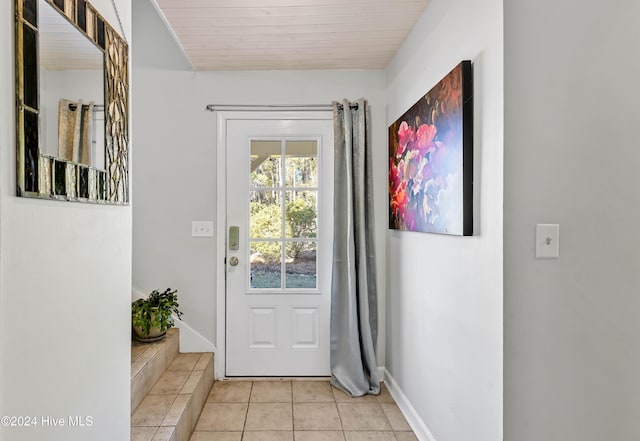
(189, 418)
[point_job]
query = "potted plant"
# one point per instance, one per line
(151, 317)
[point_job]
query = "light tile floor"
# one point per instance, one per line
(297, 411)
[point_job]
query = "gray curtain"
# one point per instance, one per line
(354, 310)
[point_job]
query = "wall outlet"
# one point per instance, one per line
(202, 229)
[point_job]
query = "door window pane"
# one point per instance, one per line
(301, 163)
(265, 214)
(266, 163)
(284, 214)
(301, 212)
(300, 265)
(266, 264)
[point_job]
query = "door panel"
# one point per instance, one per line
(280, 197)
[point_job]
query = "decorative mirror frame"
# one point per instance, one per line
(46, 177)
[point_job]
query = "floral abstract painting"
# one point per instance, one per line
(431, 160)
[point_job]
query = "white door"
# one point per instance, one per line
(279, 245)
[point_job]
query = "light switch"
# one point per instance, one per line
(202, 229)
(547, 241)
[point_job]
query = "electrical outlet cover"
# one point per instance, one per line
(202, 229)
(547, 241)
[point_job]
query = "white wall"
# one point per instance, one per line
(444, 301)
(572, 328)
(64, 294)
(175, 180)
(174, 184)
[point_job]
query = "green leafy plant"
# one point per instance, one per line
(301, 222)
(155, 310)
(301, 214)
(266, 222)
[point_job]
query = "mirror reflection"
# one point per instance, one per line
(72, 94)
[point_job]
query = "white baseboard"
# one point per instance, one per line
(418, 426)
(190, 339)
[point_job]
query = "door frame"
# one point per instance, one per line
(222, 117)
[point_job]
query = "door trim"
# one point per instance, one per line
(221, 209)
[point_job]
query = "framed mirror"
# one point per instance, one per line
(72, 90)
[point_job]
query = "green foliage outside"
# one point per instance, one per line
(301, 220)
(272, 179)
(266, 223)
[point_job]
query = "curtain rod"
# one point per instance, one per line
(305, 107)
(73, 106)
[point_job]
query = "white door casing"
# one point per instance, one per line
(277, 320)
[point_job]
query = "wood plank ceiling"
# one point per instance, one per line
(290, 34)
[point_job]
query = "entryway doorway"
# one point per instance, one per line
(278, 217)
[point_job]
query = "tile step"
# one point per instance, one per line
(148, 362)
(171, 408)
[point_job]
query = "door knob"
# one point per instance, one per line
(233, 261)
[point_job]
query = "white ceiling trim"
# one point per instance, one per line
(172, 32)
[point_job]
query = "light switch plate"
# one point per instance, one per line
(547, 241)
(202, 229)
